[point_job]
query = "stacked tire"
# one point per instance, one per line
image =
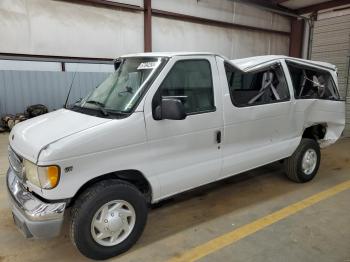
(9, 121)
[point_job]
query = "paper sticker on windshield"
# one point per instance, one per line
(148, 65)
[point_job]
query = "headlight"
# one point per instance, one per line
(45, 177)
(31, 172)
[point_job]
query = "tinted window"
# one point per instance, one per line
(261, 87)
(191, 82)
(312, 83)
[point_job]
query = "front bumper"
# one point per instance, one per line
(32, 216)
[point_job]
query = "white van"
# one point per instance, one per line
(162, 124)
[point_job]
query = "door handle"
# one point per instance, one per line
(218, 137)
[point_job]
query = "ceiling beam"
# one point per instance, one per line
(279, 1)
(322, 6)
(271, 6)
(107, 4)
(51, 58)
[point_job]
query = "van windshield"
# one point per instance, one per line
(120, 92)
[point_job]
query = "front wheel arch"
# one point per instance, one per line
(131, 176)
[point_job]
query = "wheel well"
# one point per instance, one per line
(315, 132)
(134, 177)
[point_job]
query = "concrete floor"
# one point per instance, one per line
(318, 233)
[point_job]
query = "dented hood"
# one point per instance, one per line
(29, 137)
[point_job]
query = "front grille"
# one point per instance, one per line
(15, 162)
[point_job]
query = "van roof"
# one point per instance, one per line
(243, 63)
(168, 54)
(250, 62)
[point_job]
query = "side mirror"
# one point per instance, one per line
(171, 109)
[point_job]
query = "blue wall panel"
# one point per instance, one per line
(19, 89)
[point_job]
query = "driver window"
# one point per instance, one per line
(191, 82)
(255, 88)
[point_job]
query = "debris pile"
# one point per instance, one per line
(9, 121)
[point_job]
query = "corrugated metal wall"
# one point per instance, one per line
(19, 89)
(331, 43)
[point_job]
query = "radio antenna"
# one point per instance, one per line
(70, 89)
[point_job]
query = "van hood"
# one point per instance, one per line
(28, 138)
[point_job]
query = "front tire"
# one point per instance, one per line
(108, 219)
(303, 165)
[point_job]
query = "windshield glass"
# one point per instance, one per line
(121, 91)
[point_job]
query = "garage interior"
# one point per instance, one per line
(48, 47)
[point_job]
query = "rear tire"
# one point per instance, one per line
(303, 165)
(107, 219)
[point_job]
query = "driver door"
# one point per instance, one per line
(186, 152)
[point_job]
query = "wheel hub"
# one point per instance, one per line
(113, 223)
(309, 161)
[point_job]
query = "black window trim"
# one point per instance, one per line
(310, 67)
(288, 99)
(212, 84)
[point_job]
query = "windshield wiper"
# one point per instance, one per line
(100, 106)
(95, 103)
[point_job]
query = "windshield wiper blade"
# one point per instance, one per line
(118, 112)
(100, 106)
(104, 111)
(95, 103)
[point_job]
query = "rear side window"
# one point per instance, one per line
(255, 88)
(191, 82)
(312, 83)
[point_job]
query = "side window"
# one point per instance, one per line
(191, 82)
(255, 88)
(312, 83)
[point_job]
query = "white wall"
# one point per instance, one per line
(227, 11)
(46, 27)
(177, 35)
(232, 43)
